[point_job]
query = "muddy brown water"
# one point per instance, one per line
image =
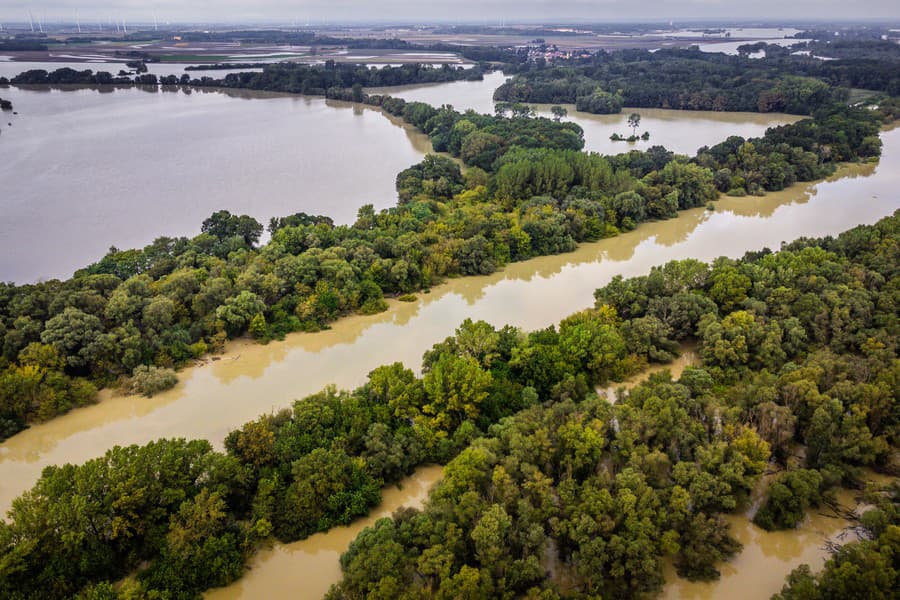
(306, 569)
(687, 357)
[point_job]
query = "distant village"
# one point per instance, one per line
(538, 50)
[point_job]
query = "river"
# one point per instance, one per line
(760, 568)
(250, 379)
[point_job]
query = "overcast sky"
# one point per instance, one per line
(412, 11)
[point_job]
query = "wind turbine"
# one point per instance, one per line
(31, 20)
(77, 21)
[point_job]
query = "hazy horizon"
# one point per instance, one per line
(491, 12)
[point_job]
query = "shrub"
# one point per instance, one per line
(149, 380)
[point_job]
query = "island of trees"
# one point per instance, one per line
(329, 79)
(549, 490)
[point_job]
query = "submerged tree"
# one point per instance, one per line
(634, 121)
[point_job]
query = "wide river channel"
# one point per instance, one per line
(249, 379)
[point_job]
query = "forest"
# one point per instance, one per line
(550, 491)
(695, 80)
(135, 315)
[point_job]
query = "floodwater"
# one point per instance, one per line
(683, 132)
(687, 358)
(760, 568)
(736, 32)
(732, 47)
(461, 95)
(84, 169)
(308, 568)
(72, 157)
(250, 379)
(274, 572)
(678, 130)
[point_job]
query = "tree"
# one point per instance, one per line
(634, 121)
(455, 387)
(238, 311)
(223, 225)
(788, 498)
(558, 112)
(77, 335)
(150, 380)
(329, 488)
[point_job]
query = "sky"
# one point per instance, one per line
(423, 11)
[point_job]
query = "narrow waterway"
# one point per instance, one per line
(306, 569)
(251, 379)
(687, 357)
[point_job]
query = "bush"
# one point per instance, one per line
(149, 380)
(789, 496)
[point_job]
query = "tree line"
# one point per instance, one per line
(549, 491)
(529, 191)
(329, 79)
